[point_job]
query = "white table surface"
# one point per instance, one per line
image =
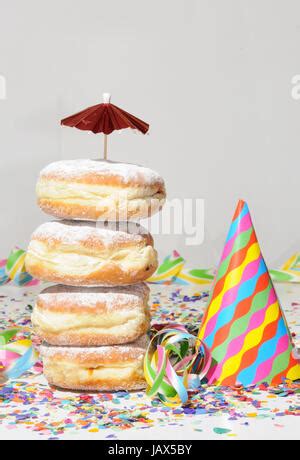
(263, 416)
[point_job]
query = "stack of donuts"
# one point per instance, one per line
(94, 321)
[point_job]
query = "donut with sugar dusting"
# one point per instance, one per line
(94, 189)
(106, 368)
(75, 316)
(91, 254)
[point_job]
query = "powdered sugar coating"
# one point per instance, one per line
(130, 349)
(126, 172)
(112, 297)
(74, 232)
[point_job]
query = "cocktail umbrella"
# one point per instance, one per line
(105, 118)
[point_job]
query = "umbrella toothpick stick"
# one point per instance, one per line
(105, 147)
(106, 100)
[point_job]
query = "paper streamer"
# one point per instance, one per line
(195, 276)
(173, 270)
(168, 270)
(13, 269)
(3, 276)
(171, 368)
(289, 272)
(244, 325)
(15, 357)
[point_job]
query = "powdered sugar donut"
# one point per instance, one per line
(107, 368)
(89, 254)
(65, 315)
(93, 190)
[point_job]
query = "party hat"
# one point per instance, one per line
(244, 326)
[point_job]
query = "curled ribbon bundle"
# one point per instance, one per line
(13, 269)
(15, 357)
(171, 368)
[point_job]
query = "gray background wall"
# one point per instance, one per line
(212, 77)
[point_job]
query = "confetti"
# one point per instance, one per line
(28, 403)
(221, 430)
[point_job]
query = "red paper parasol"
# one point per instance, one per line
(105, 118)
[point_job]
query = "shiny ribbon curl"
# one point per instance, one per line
(16, 357)
(13, 269)
(171, 369)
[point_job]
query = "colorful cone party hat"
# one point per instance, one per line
(244, 326)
